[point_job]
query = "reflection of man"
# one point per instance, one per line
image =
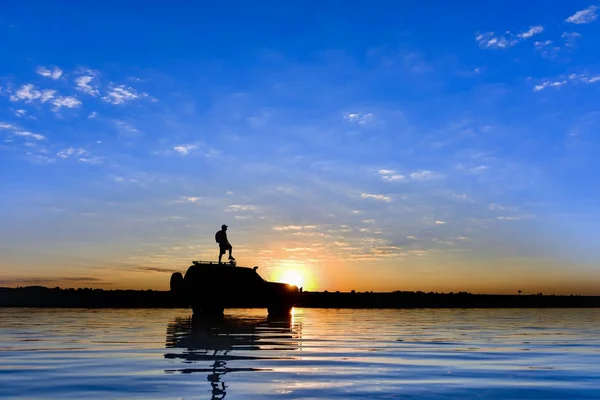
(224, 245)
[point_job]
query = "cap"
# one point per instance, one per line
(223, 226)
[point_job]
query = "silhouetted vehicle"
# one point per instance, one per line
(209, 288)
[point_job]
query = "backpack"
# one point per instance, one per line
(219, 236)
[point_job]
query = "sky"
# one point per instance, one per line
(364, 145)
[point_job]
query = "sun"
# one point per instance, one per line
(292, 277)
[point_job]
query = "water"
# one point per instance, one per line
(327, 354)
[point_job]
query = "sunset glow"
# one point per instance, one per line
(293, 278)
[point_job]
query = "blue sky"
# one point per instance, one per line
(365, 145)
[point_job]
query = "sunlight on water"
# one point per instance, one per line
(385, 354)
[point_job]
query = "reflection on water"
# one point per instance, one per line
(318, 354)
(220, 340)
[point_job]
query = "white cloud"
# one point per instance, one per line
(29, 93)
(390, 175)
(393, 178)
(570, 38)
(376, 197)
(92, 115)
(584, 78)
(573, 78)
(124, 126)
(55, 73)
(20, 113)
(438, 222)
(190, 199)
(184, 149)
(534, 30)
(4, 125)
(293, 227)
(489, 40)
(548, 84)
(66, 153)
(35, 136)
(93, 160)
(424, 175)
(83, 84)
(547, 48)
(66, 101)
(121, 94)
(241, 207)
(359, 118)
(47, 94)
(584, 16)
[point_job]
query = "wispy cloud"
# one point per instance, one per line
(27, 134)
(190, 199)
(570, 38)
(584, 16)
(379, 197)
(54, 73)
(66, 153)
(293, 227)
(29, 93)
(5, 125)
(90, 160)
(241, 207)
(534, 30)
(18, 132)
(424, 175)
(573, 78)
(83, 84)
(122, 94)
(184, 149)
(547, 48)
(509, 218)
(122, 125)
(66, 101)
(390, 175)
(359, 118)
(489, 40)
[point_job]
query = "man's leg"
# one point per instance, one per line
(230, 257)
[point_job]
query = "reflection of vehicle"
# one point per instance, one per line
(210, 288)
(207, 345)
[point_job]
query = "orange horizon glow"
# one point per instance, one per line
(337, 275)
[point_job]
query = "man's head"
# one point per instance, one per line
(224, 227)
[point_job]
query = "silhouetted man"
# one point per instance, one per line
(224, 245)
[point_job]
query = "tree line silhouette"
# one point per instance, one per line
(39, 296)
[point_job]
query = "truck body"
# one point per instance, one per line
(209, 288)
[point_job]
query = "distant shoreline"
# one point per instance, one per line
(38, 296)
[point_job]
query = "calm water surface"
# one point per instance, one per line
(382, 354)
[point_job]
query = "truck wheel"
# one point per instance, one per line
(212, 311)
(279, 311)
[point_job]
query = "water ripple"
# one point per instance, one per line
(318, 353)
